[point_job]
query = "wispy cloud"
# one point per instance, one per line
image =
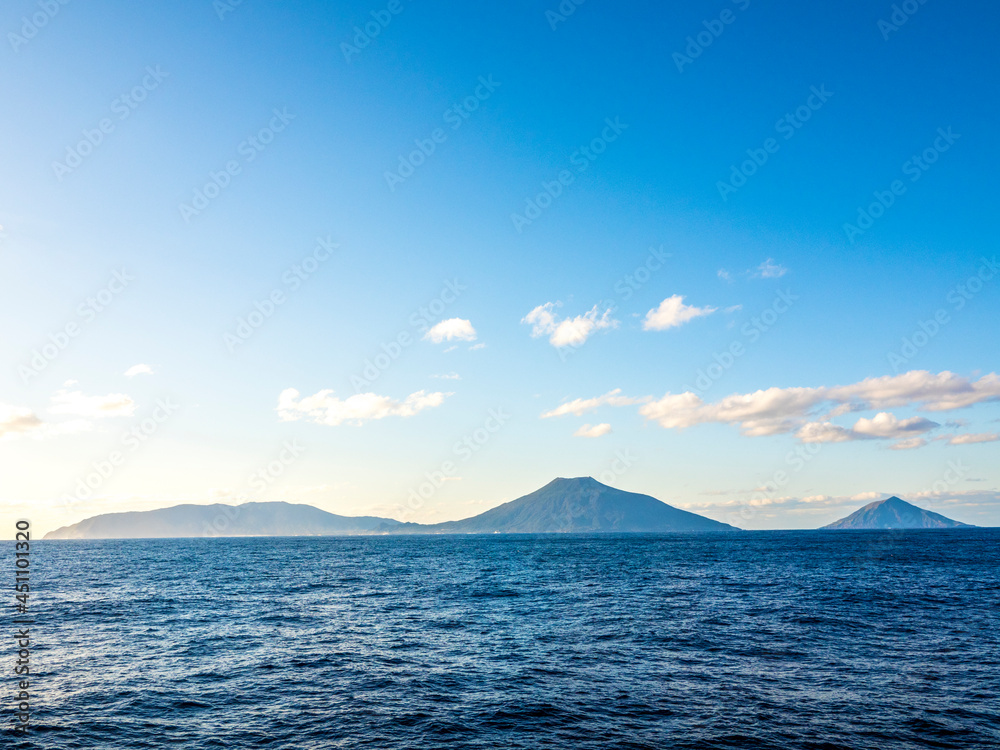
(782, 410)
(579, 407)
(595, 431)
(768, 270)
(93, 407)
(17, 420)
(672, 312)
(21, 422)
(325, 408)
(908, 445)
(567, 331)
(972, 438)
(883, 426)
(138, 370)
(935, 499)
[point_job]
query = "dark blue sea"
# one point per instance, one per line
(818, 640)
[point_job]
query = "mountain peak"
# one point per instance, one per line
(891, 502)
(574, 484)
(574, 481)
(582, 505)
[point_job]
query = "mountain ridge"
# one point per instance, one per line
(249, 519)
(564, 505)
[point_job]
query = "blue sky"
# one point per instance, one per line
(710, 213)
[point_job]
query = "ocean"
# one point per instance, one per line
(820, 640)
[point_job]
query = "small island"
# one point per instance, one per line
(893, 513)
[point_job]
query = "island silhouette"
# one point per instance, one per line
(893, 513)
(577, 505)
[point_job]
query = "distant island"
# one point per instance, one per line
(249, 519)
(580, 505)
(893, 513)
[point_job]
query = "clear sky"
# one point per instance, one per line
(740, 256)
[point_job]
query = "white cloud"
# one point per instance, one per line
(840, 410)
(940, 501)
(723, 274)
(769, 270)
(942, 392)
(477, 347)
(816, 499)
(542, 320)
(908, 444)
(568, 331)
(138, 370)
(867, 497)
(20, 421)
(325, 408)
(593, 432)
(885, 425)
(672, 312)
(768, 412)
(448, 376)
(781, 410)
(94, 407)
(823, 432)
(971, 438)
(579, 407)
(958, 497)
(451, 330)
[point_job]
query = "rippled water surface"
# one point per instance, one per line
(759, 640)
